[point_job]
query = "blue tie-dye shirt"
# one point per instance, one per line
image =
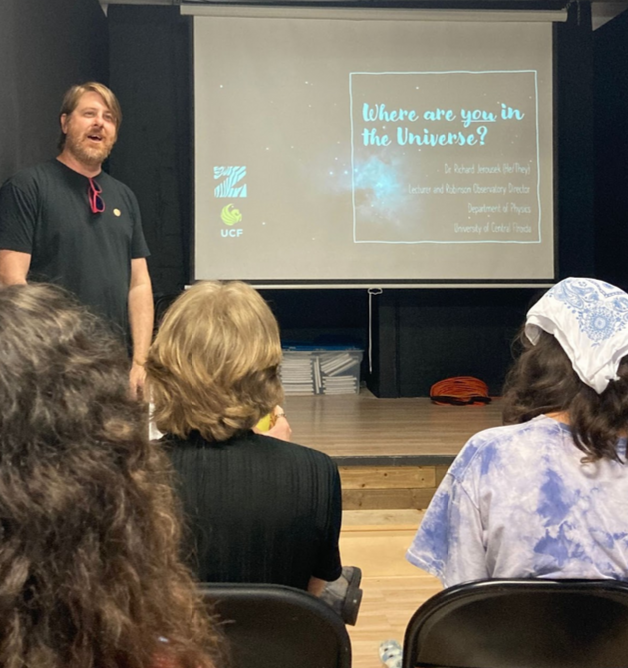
(518, 502)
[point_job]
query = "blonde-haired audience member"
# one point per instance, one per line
(260, 509)
(90, 539)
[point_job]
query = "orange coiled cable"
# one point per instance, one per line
(460, 391)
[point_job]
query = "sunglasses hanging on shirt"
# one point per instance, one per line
(96, 202)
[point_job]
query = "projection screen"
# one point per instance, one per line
(365, 147)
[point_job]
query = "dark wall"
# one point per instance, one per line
(427, 335)
(45, 47)
(150, 72)
(574, 143)
(420, 336)
(611, 149)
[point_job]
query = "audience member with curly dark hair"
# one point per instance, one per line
(89, 569)
(545, 495)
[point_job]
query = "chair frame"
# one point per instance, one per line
(498, 588)
(299, 602)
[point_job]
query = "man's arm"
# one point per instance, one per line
(141, 316)
(13, 267)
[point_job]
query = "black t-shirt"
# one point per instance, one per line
(44, 211)
(259, 509)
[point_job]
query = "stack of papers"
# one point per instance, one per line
(321, 372)
(333, 364)
(340, 385)
(296, 374)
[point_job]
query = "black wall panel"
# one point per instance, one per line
(467, 334)
(9, 144)
(150, 70)
(45, 47)
(574, 143)
(611, 149)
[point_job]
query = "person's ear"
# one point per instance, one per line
(63, 120)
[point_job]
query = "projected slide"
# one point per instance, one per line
(335, 150)
(479, 182)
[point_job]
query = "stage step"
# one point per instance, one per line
(389, 487)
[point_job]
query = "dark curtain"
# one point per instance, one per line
(611, 149)
(45, 47)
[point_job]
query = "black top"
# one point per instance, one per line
(44, 211)
(259, 509)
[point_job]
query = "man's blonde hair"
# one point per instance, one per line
(74, 94)
(214, 365)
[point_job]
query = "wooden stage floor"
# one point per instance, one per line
(364, 430)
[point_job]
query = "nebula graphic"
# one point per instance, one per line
(380, 192)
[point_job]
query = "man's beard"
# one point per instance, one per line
(90, 155)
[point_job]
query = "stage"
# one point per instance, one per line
(391, 453)
(358, 429)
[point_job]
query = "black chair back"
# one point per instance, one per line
(272, 626)
(522, 624)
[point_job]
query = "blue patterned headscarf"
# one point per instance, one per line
(589, 318)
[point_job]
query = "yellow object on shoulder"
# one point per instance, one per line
(264, 423)
(268, 421)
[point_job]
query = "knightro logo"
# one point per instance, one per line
(230, 217)
(231, 184)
